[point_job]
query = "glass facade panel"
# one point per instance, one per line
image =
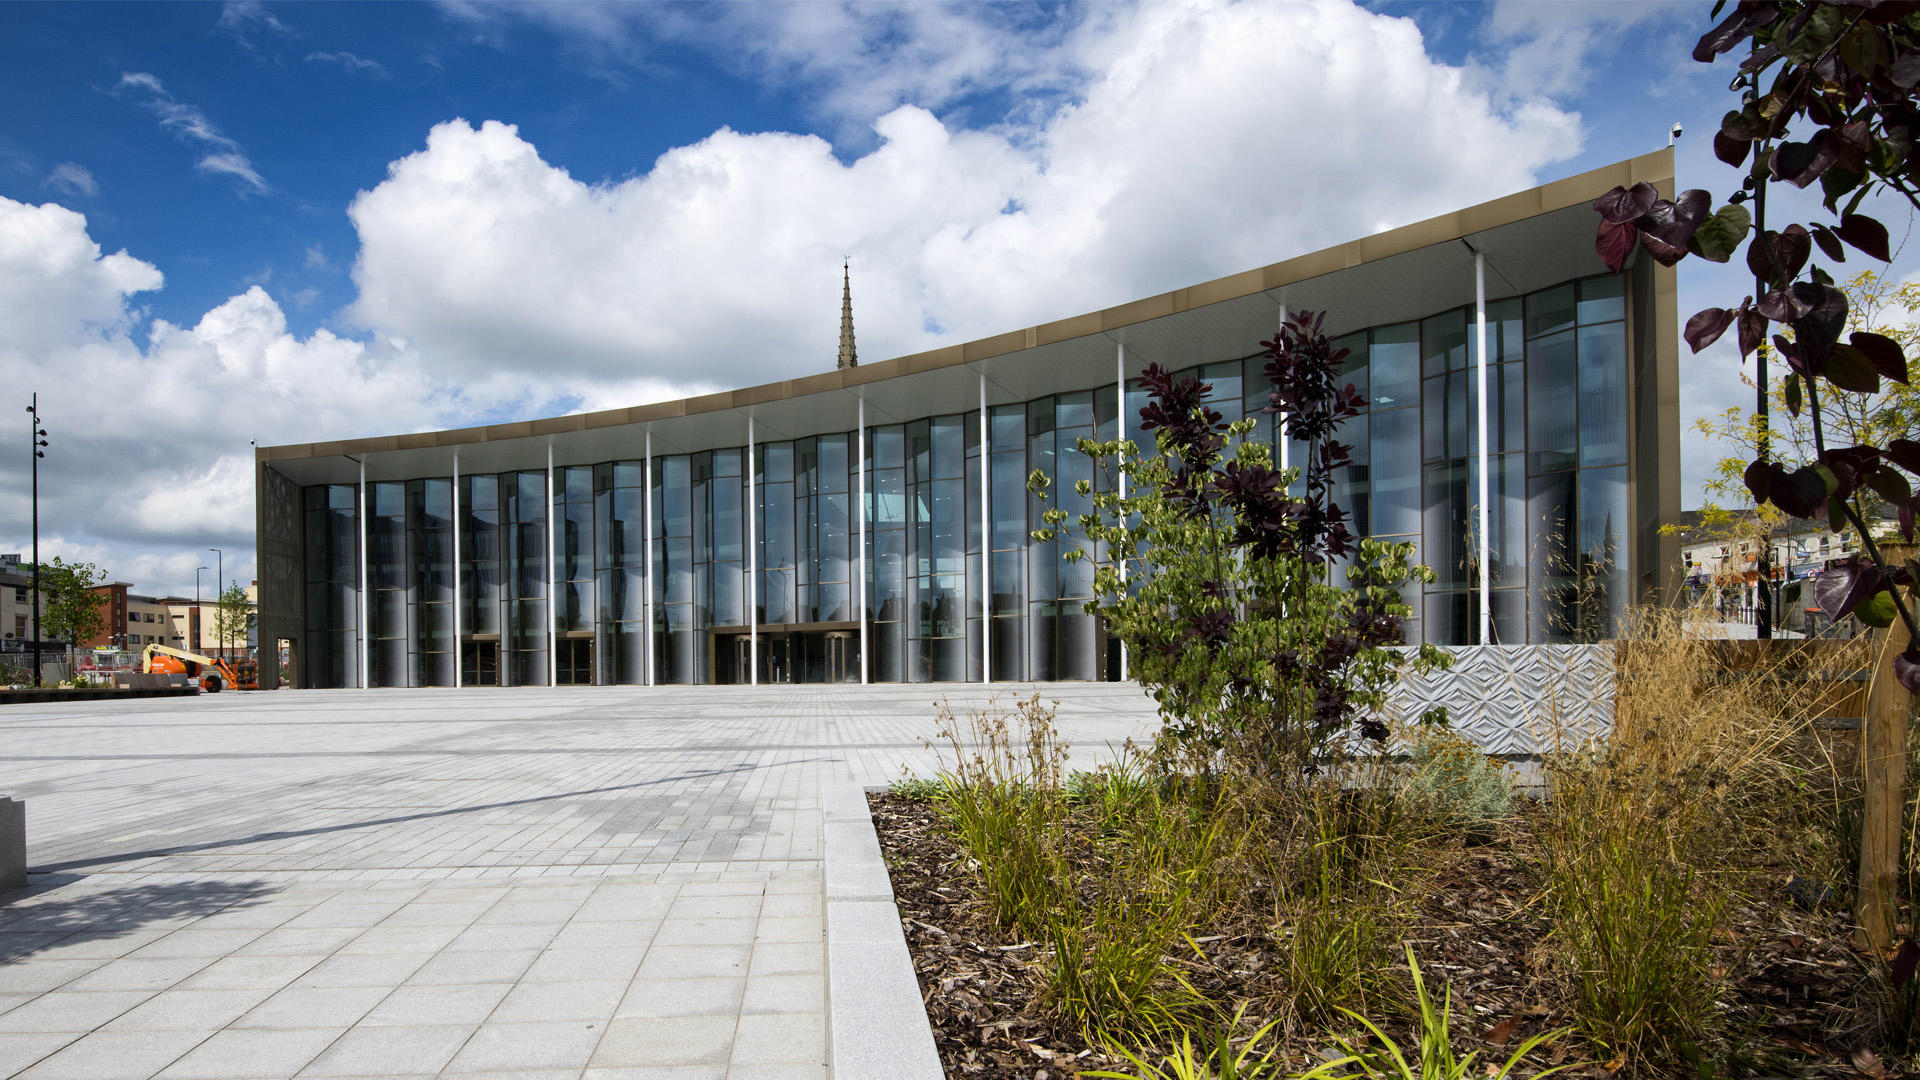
(332, 585)
(1443, 343)
(430, 550)
(1550, 310)
(1603, 394)
(1553, 436)
(525, 662)
(1393, 366)
(1394, 476)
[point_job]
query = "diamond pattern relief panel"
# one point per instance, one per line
(1517, 699)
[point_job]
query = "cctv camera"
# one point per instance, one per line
(1676, 131)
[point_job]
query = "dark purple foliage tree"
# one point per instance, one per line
(1219, 578)
(1828, 98)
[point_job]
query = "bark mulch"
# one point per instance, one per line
(1793, 981)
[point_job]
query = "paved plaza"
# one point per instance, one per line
(599, 882)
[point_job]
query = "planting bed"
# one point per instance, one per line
(1793, 984)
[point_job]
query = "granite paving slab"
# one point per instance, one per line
(566, 882)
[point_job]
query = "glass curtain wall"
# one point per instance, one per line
(573, 578)
(387, 569)
(430, 551)
(1007, 438)
(482, 584)
(723, 552)
(887, 603)
(937, 503)
(1576, 460)
(675, 657)
(620, 560)
(525, 663)
(332, 523)
(1063, 640)
(1558, 505)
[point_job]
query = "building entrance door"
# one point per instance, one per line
(574, 662)
(480, 663)
(742, 659)
(843, 657)
(776, 658)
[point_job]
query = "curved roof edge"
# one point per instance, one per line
(1655, 168)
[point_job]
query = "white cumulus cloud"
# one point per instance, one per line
(1210, 138)
(1140, 149)
(149, 423)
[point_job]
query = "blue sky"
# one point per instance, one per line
(319, 98)
(288, 222)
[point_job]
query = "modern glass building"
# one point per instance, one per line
(871, 524)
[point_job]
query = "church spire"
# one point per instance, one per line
(848, 358)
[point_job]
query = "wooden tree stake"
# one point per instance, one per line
(1884, 758)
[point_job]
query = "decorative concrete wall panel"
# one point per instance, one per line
(1517, 699)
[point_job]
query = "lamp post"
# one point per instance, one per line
(38, 440)
(193, 624)
(218, 576)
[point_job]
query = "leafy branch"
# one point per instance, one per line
(1848, 74)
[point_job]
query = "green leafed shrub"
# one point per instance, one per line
(1216, 1058)
(1450, 777)
(1434, 1058)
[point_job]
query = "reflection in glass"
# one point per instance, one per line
(1603, 394)
(1394, 476)
(1393, 366)
(1552, 439)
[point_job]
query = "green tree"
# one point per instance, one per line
(70, 610)
(1875, 305)
(233, 616)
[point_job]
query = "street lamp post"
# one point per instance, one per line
(193, 624)
(38, 439)
(219, 575)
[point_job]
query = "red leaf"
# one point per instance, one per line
(1615, 243)
(1706, 327)
(1906, 454)
(1731, 150)
(1887, 357)
(1623, 204)
(1908, 955)
(1673, 223)
(1753, 328)
(1663, 253)
(1866, 234)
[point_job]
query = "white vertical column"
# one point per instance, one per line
(1120, 385)
(646, 600)
(366, 593)
(753, 566)
(1486, 541)
(459, 650)
(553, 597)
(986, 540)
(1280, 420)
(860, 515)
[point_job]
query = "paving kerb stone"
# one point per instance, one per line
(334, 877)
(878, 1023)
(13, 844)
